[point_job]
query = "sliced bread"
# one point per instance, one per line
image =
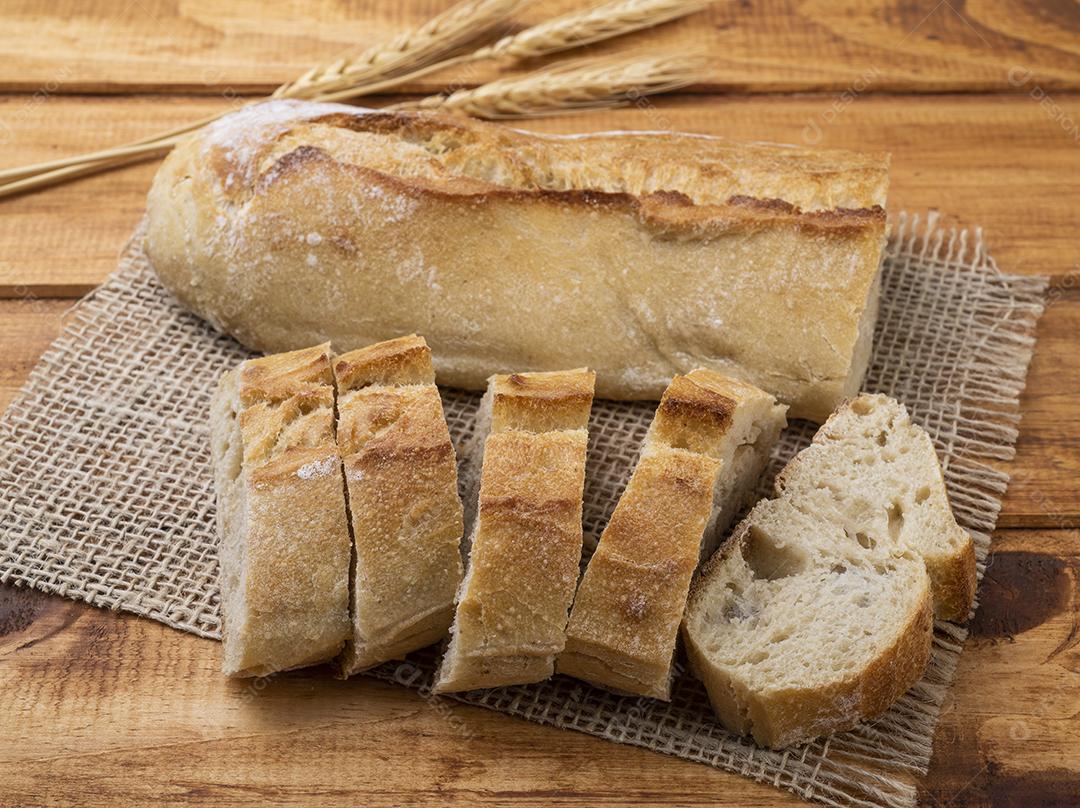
(284, 553)
(406, 517)
(818, 612)
(702, 456)
(525, 546)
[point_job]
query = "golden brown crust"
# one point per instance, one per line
(284, 536)
(953, 584)
(526, 545)
(540, 402)
(641, 255)
(625, 620)
(405, 360)
(694, 413)
(401, 477)
(662, 211)
(277, 377)
(627, 609)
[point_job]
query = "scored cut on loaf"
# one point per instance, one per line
(285, 546)
(643, 255)
(525, 546)
(700, 461)
(818, 613)
(406, 517)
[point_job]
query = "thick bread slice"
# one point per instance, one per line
(526, 543)
(704, 452)
(819, 611)
(643, 255)
(285, 545)
(401, 478)
(900, 469)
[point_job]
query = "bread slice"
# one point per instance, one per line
(701, 458)
(526, 543)
(284, 552)
(406, 519)
(819, 611)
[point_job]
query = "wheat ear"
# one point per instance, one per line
(420, 47)
(578, 85)
(595, 24)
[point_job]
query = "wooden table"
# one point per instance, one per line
(976, 101)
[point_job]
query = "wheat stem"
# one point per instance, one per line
(147, 145)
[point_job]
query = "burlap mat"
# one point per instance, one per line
(108, 497)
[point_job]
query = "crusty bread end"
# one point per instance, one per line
(284, 553)
(819, 611)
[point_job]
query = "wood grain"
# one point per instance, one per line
(976, 100)
(116, 709)
(122, 46)
(107, 709)
(1004, 163)
(27, 326)
(1008, 734)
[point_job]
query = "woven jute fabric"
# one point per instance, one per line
(108, 498)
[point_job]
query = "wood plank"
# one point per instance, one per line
(109, 709)
(1045, 487)
(27, 326)
(1008, 730)
(1005, 163)
(246, 46)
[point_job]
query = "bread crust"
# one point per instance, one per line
(626, 613)
(511, 610)
(643, 255)
(406, 517)
(625, 620)
(281, 514)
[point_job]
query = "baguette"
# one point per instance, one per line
(625, 620)
(526, 543)
(284, 553)
(406, 518)
(819, 611)
(641, 255)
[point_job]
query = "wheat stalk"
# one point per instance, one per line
(437, 37)
(426, 49)
(596, 24)
(578, 85)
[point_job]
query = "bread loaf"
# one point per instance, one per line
(702, 456)
(526, 543)
(401, 479)
(641, 255)
(285, 546)
(818, 612)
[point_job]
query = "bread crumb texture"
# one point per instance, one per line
(818, 612)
